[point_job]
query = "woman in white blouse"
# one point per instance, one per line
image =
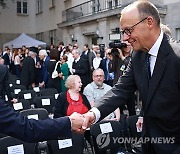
(17, 62)
(97, 60)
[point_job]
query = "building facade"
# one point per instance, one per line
(72, 21)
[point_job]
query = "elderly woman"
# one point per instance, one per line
(71, 100)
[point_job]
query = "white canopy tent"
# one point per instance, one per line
(24, 39)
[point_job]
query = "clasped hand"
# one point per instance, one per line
(79, 123)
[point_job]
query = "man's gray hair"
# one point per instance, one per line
(145, 9)
(77, 51)
(98, 69)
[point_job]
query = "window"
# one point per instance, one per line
(116, 3)
(113, 3)
(22, 7)
(95, 6)
(39, 36)
(110, 4)
(38, 6)
(178, 34)
(51, 4)
(52, 36)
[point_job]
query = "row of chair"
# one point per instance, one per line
(47, 102)
(20, 90)
(45, 98)
(8, 143)
(103, 142)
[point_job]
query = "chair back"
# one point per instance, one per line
(46, 102)
(41, 113)
(22, 104)
(27, 95)
(13, 145)
(48, 92)
(76, 148)
(104, 135)
(15, 89)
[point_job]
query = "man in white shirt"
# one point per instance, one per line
(159, 90)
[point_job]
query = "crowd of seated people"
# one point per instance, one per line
(35, 67)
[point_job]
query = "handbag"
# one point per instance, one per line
(55, 72)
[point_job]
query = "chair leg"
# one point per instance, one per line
(108, 151)
(86, 148)
(92, 145)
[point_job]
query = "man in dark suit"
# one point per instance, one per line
(6, 57)
(4, 84)
(80, 67)
(45, 60)
(88, 55)
(29, 130)
(158, 83)
(28, 72)
(105, 66)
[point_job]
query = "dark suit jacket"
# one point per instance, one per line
(161, 101)
(89, 57)
(53, 83)
(6, 59)
(37, 71)
(28, 72)
(45, 70)
(14, 124)
(4, 82)
(102, 65)
(81, 69)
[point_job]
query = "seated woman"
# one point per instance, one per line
(71, 100)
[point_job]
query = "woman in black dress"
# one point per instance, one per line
(54, 83)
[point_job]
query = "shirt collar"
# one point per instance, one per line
(77, 59)
(4, 53)
(102, 87)
(155, 48)
(44, 59)
(86, 52)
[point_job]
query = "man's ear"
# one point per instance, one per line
(150, 22)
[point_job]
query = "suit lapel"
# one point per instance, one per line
(159, 68)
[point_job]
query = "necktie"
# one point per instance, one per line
(147, 66)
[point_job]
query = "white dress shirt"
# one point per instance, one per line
(154, 52)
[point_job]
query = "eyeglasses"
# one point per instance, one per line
(98, 76)
(128, 31)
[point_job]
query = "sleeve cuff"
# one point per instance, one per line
(97, 113)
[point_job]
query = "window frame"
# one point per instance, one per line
(178, 34)
(21, 9)
(39, 6)
(52, 36)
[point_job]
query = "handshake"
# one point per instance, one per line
(79, 122)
